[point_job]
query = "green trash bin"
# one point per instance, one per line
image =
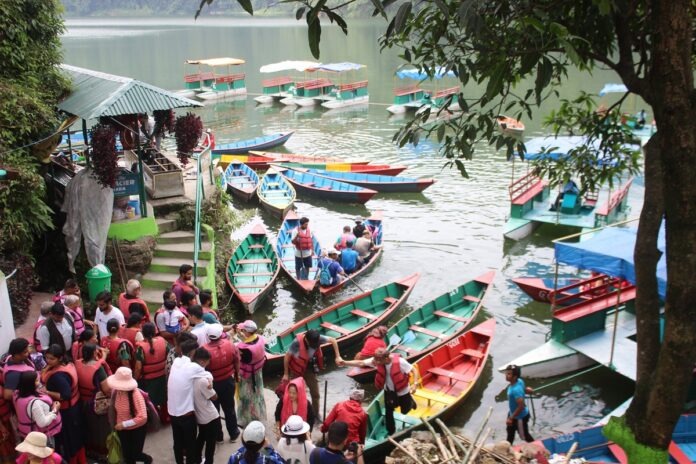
(98, 280)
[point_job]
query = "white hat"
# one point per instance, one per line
(254, 432)
(295, 426)
(215, 331)
(249, 326)
(209, 130)
(332, 251)
(122, 380)
(35, 444)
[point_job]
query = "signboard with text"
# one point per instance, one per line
(126, 183)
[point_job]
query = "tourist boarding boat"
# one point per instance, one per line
(210, 85)
(258, 143)
(434, 324)
(240, 180)
(414, 97)
(348, 321)
(447, 377)
(253, 268)
(286, 251)
(379, 183)
(276, 195)
(327, 189)
(531, 205)
(280, 87)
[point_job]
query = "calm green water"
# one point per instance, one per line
(450, 234)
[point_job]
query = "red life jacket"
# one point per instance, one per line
(154, 363)
(342, 244)
(124, 305)
(74, 392)
(352, 413)
(26, 424)
(85, 377)
(299, 363)
(113, 344)
(258, 357)
(399, 379)
(303, 239)
(129, 333)
(222, 354)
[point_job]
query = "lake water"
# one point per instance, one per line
(450, 233)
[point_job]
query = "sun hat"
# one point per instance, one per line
(254, 432)
(215, 331)
(122, 380)
(249, 326)
(295, 426)
(35, 444)
(332, 251)
(357, 394)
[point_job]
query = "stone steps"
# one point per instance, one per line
(182, 250)
(165, 225)
(178, 236)
(171, 265)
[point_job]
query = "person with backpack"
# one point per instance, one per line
(255, 447)
(169, 319)
(304, 358)
(60, 379)
(303, 239)
(129, 415)
(337, 438)
(119, 351)
(224, 365)
(130, 301)
(92, 373)
(330, 272)
(57, 329)
(35, 412)
(150, 363)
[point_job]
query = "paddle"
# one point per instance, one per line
(395, 340)
(349, 278)
(326, 386)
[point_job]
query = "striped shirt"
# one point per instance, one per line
(123, 410)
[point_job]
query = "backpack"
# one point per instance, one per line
(153, 419)
(325, 278)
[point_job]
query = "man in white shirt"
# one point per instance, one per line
(207, 416)
(180, 402)
(105, 312)
(199, 327)
(57, 329)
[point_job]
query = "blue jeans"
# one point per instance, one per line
(302, 266)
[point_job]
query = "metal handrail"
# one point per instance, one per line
(200, 196)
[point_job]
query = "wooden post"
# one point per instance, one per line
(408, 453)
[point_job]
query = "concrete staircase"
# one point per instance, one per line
(174, 248)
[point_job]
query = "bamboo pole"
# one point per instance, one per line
(478, 434)
(408, 453)
(449, 433)
(452, 448)
(493, 454)
(443, 449)
(479, 446)
(570, 453)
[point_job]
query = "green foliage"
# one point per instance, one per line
(618, 431)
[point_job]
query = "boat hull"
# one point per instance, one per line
(213, 95)
(540, 289)
(276, 141)
(305, 102)
(549, 360)
(327, 189)
(262, 99)
(241, 181)
(385, 184)
(335, 103)
(519, 229)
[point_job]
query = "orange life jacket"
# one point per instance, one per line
(74, 392)
(129, 333)
(113, 344)
(154, 363)
(303, 239)
(85, 377)
(298, 364)
(222, 353)
(399, 379)
(124, 305)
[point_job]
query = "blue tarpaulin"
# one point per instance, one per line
(610, 251)
(340, 67)
(422, 75)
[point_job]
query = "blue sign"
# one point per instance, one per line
(127, 183)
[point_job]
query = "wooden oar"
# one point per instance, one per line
(349, 278)
(395, 340)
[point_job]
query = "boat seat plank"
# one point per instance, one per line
(406, 419)
(471, 298)
(257, 246)
(360, 313)
(423, 330)
(254, 261)
(472, 353)
(406, 349)
(335, 328)
(437, 397)
(256, 285)
(451, 316)
(390, 299)
(678, 454)
(449, 374)
(252, 274)
(618, 453)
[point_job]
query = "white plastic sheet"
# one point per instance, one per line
(89, 207)
(7, 332)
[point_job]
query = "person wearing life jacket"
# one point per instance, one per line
(185, 282)
(70, 288)
(305, 358)
(352, 413)
(252, 356)
(169, 319)
(302, 238)
(74, 312)
(91, 380)
(12, 367)
(57, 329)
(224, 365)
(344, 238)
(35, 412)
(60, 379)
(34, 449)
(150, 362)
(119, 351)
(132, 329)
(88, 336)
(394, 375)
(373, 341)
(130, 297)
(44, 313)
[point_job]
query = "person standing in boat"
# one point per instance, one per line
(518, 416)
(397, 377)
(302, 238)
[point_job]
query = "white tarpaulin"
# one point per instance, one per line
(7, 332)
(89, 207)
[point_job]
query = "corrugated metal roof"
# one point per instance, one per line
(98, 94)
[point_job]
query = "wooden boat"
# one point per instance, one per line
(286, 252)
(257, 143)
(374, 169)
(594, 447)
(448, 375)
(300, 158)
(280, 87)
(348, 321)
(509, 126)
(253, 268)
(373, 223)
(327, 189)
(276, 195)
(570, 290)
(435, 323)
(390, 184)
(541, 288)
(210, 85)
(241, 181)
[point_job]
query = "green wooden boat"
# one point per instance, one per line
(276, 195)
(434, 324)
(253, 268)
(348, 321)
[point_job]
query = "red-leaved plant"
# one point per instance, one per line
(187, 130)
(104, 160)
(164, 121)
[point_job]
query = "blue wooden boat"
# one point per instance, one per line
(259, 143)
(595, 448)
(241, 181)
(286, 252)
(327, 189)
(379, 183)
(276, 195)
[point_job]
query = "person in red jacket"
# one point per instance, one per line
(352, 413)
(373, 341)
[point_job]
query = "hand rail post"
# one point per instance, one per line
(200, 194)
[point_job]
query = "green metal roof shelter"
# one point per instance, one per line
(96, 94)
